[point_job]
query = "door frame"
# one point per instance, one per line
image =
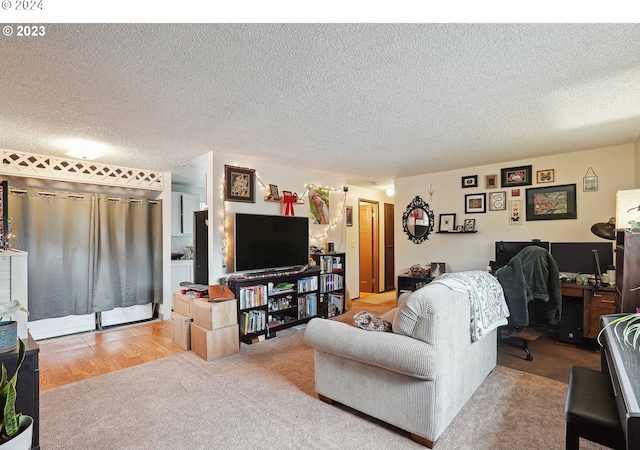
(375, 232)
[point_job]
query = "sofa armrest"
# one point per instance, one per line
(395, 352)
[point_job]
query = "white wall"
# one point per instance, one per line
(614, 167)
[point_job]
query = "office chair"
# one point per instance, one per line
(530, 275)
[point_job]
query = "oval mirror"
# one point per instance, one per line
(417, 220)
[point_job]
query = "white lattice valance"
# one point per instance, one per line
(66, 169)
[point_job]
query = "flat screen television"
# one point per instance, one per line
(264, 242)
(578, 257)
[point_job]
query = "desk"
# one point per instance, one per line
(582, 306)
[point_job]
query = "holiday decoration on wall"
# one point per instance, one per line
(289, 199)
(319, 205)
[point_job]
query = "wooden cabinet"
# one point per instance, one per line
(627, 296)
(181, 270)
(596, 304)
(269, 302)
(332, 283)
(582, 306)
(182, 208)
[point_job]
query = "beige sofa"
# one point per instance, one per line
(417, 377)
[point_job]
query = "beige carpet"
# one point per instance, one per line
(263, 397)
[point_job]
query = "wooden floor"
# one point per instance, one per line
(73, 358)
(77, 357)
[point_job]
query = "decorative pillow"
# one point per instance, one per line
(371, 322)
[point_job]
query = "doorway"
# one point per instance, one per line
(369, 245)
(389, 249)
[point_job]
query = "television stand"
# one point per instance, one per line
(269, 301)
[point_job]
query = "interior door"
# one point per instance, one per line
(389, 249)
(366, 247)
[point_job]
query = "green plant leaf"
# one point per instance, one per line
(10, 420)
(630, 333)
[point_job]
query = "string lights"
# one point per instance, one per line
(334, 223)
(225, 236)
(308, 187)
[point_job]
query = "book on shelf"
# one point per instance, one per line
(280, 288)
(307, 284)
(252, 321)
(331, 282)
(252, 296)
(307, 306)
(337, 300)
(330, 264)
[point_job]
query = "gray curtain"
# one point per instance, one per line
(87, 253)
(58, 232)
(128, 262)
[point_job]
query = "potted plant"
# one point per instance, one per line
(16, 430)
(631, 330)
(9, 329)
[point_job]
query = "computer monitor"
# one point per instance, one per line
(578, 257)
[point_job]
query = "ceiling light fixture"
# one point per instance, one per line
(84, 154)
(391, 192)
(82, 148)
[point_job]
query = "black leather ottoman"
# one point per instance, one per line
(591, 411)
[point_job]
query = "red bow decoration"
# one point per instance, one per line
(289, 200)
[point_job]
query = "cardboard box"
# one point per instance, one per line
(182, 304)
(214, 315)
(214, 344)
(181, 330)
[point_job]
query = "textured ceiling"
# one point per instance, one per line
(365, 102)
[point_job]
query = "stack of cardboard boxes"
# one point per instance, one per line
(208, 326)
(214, 330)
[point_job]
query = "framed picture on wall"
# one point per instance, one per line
(239, 184)
(516, 176)
(491, 181)
(349, 215)
(470, 181)
(552, 203)
(469, 225)
(447, 222)
(546, 176)
(515, 213)
(497, 201)
(475, 203)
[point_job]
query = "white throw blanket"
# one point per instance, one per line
(489, 308)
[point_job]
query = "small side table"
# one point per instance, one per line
(409, 283)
